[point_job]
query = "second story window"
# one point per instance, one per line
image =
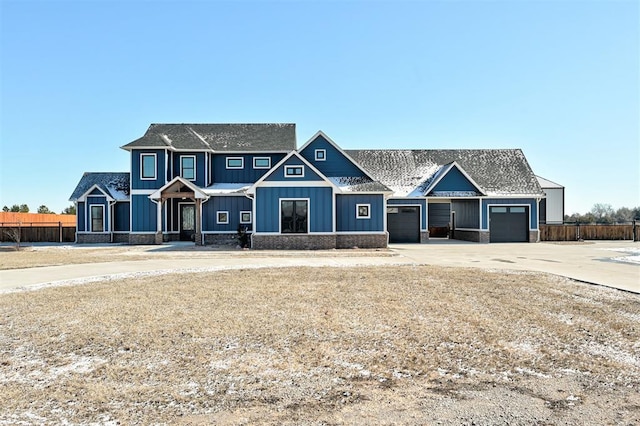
(235, 163)
(321, 154)
(147, 166)
(261, 162)
(188, 167)
(293, 171)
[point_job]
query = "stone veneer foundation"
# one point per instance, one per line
(221, 239)
(93, 238)
(317, 242)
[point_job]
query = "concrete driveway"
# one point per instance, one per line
(592, 262)
(588, 262)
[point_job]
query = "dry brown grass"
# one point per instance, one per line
(36, 256)
(388, 345)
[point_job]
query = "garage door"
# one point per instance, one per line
(509, 224)
(403, 224)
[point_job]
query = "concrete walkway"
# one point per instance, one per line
(588, 262)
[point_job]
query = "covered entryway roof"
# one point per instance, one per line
(179, 188)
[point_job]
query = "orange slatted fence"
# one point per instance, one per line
(41, 219)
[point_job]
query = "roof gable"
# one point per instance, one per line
(113, 185)
(497, 172)
(218, 137)
(336, 162)
(452, 180)
(178, 185)
(276, 176)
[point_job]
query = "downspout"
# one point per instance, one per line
(253, 215)
(75, 240)
(111, 219)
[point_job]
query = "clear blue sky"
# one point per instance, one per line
(559, 79)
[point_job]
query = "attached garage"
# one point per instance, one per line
(509, 224)
(403, 224)
(439, 219)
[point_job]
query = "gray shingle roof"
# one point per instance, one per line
(219, 137)
(496, 171)
(114, 184)
(358, 184)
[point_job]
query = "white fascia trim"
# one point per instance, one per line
(335, 145)
(308, 183)
(142, 148)
(261, 181)
(84, 196)
(142, 191)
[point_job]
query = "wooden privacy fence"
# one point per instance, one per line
(38, 232)
(576, 232)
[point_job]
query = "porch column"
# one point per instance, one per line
(158, 239)
(198, 220)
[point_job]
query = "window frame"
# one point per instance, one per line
(155, 165)
(245, 222)
(290, 175)
(262, 167)
(368, 207)
(220, 222)
(295, 200)
(195, 176)
(320, 151)
(91, 206)
(234, 167)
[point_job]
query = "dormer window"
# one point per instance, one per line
(321, 154)
(294, 171)
(235, 163)
(188, 167)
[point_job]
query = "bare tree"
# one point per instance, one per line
(14, 234)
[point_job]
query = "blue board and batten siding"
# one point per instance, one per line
(121, 222)
(232, 205)
(278, 174)
(136, 181)
(531, 202)
(412, 202)
(453, 181)
(201, 179)
(245, 175)
(335, 163)
(320, 214)
(81, 215)
(98, 201)
(144, 213)
(467, 213)
(346, 220)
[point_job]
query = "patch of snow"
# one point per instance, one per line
(633, 254)
(612, 353)
(532, 373)
(226, 188)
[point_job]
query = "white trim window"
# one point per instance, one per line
(320, 155)
(148, 166)
(363, 211)
(222, 217)
(96, 212)
(294, 216)
(261, 162)
(293, 171)
(245, 217)
(188, 167)
(235, 163)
